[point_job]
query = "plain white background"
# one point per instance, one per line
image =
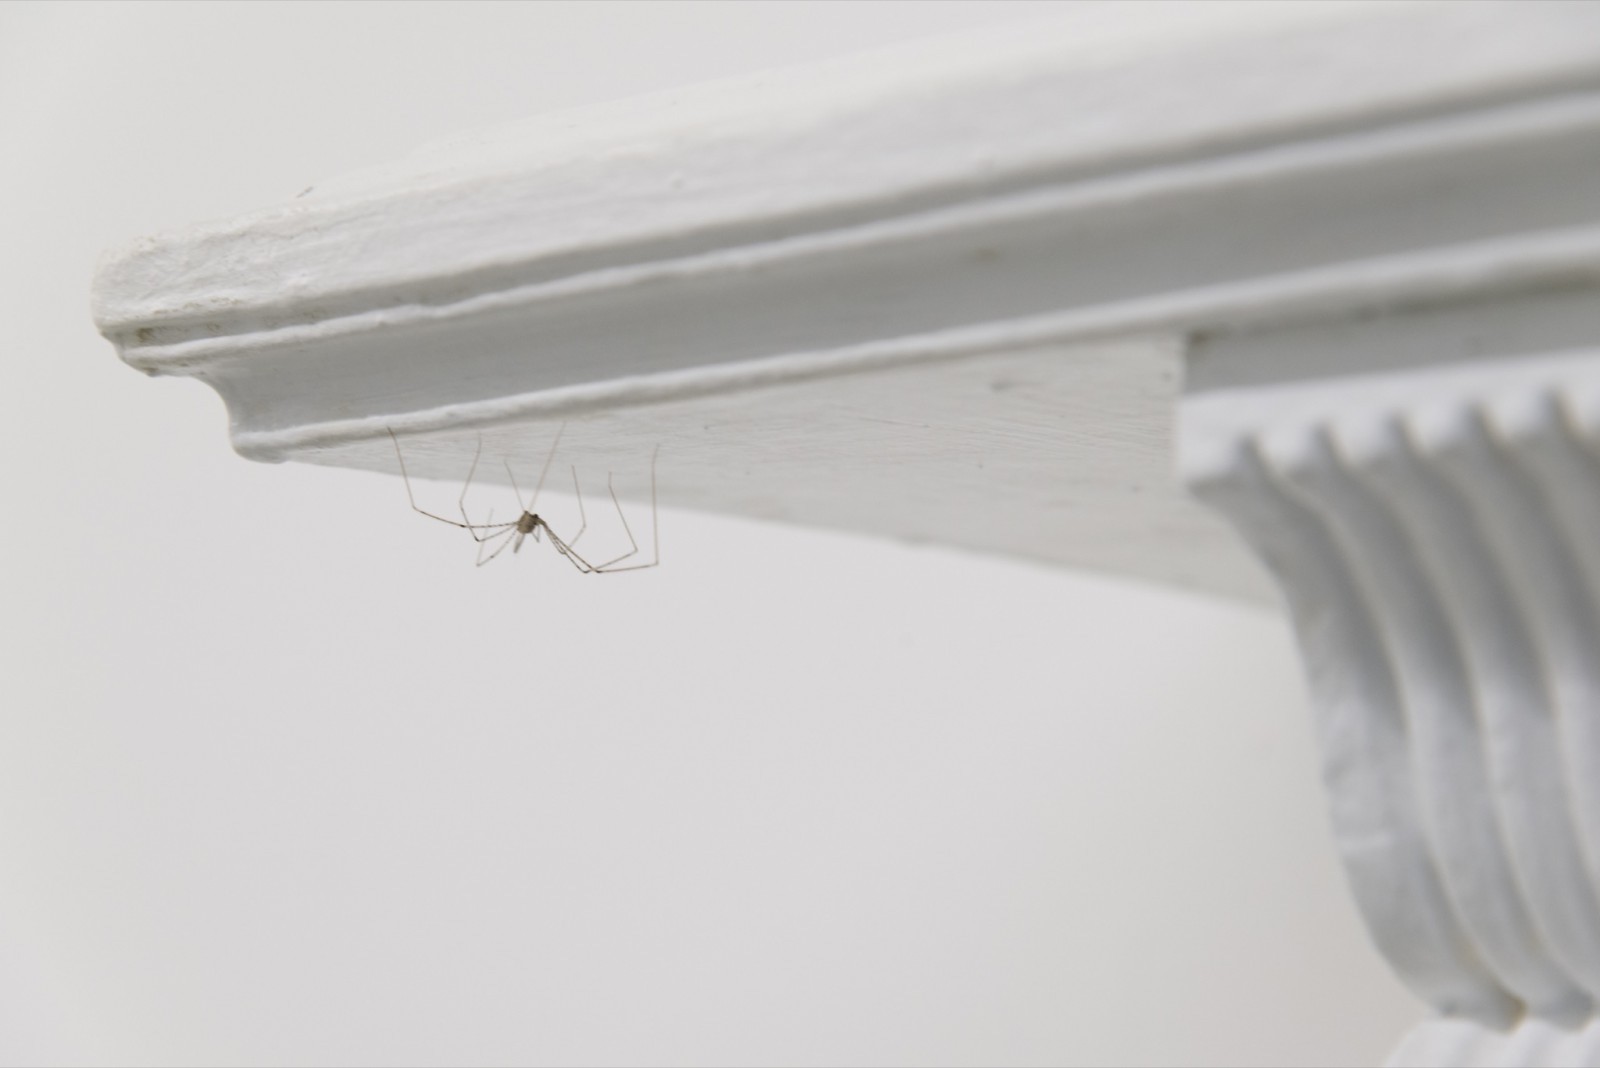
(284, 779)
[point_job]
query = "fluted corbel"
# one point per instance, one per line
(1434, 527)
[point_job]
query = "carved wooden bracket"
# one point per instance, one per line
(1436, 531)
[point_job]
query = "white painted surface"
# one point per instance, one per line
(1045, 453)
(1465, 1043)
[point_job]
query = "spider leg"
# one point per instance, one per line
(568, 552)
(461, 502)
(583, 520)
(470, 527)
(608, 567)
(545, 470)
(625, 529)
(507, 536)
(514, 487)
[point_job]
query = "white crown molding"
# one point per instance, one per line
(1055, 189)
(824, 150)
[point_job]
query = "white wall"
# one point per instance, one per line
(284, 779)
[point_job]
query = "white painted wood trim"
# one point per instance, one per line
(826, 151)
(1025, 190)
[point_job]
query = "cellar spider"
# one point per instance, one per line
(530, 523)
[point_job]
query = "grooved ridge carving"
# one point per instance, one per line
(1436, 535)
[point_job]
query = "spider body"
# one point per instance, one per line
(530, 524)
(527, 523)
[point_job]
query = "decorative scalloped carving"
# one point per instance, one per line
(1436, 534)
